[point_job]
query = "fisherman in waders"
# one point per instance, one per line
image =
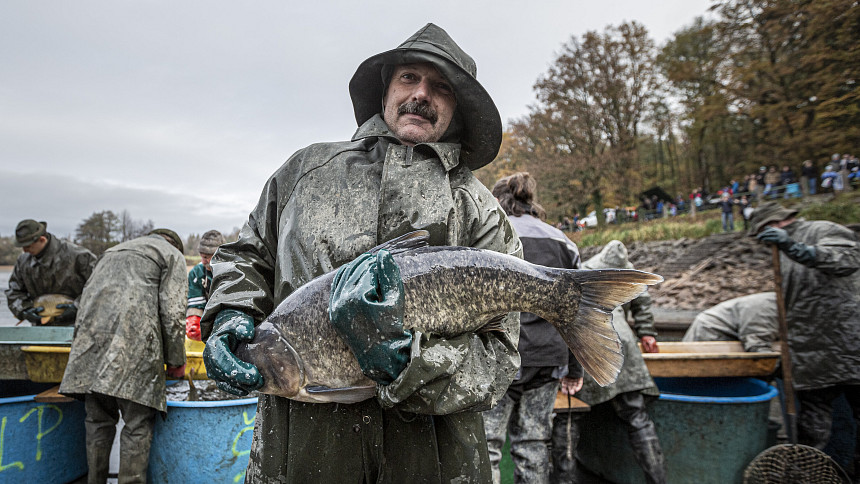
(819, 261)
(200, 283)
(630, 393)
(129, 327)
(424, 123)
(48, 265)
(525, 413)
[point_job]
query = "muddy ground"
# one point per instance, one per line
(702, 272)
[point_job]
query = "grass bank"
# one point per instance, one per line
(844, 209)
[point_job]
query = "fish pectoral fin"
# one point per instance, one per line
(341, 395)
(410, 241)
(492, 325)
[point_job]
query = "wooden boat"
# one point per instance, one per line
(709, 359)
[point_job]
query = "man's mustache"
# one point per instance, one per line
(421, 109)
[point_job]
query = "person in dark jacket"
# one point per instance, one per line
(425, 123)
(808, 177)
(49, 265)
(128, 329)
(525, 412)
(820, 263)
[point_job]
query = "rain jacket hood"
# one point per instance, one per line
(476, 112)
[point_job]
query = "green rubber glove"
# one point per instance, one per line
(802, 253)
(230, 373)
(70, 312)
(32, 314)
(366, 310)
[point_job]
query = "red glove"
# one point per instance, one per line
(176, 372)
(649, 344)
(192, 327)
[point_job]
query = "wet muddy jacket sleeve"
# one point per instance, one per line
(471, 371)
(171, 304)
(643, 318)
(17, 298)
(243, 271)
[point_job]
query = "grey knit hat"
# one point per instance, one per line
(766, 213)
(210, 242)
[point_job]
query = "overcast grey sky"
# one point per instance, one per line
(178, 111)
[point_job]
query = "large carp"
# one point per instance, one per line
(448, 291)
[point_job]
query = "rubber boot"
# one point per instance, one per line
(649, 454)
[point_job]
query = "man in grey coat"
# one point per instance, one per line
(819, 261)
(749, 319)
(424, 123)
(130, 325)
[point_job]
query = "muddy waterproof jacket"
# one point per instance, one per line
(752, 320)
(130, 324)
(325, 206)
(823, 306)
(61, 268)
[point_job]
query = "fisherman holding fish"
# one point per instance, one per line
(820, 267)
(49, 267)
(128, 329)
(410, 341)
(424, 123)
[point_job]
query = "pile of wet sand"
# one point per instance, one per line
(704, 272)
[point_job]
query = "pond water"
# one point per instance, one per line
(6, 317)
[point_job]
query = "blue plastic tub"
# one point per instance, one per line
(709, 429)
(203, 442)
(40, 442)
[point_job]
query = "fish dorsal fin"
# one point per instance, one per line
(410, 241)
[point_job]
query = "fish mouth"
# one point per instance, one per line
(279, 364)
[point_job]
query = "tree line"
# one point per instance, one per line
(760, 83)
(105, 229)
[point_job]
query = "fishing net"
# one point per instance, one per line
(794, 464)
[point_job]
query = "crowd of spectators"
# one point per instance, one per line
(842, 172)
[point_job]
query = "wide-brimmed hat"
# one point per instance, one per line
(172, 236)
(613, 256)
(481, 134)
(766, 213)
(29, 231)
(210, 242)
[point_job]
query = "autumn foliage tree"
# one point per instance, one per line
(580, 139)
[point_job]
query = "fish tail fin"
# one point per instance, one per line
(591, 336)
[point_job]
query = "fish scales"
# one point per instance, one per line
(448, 291)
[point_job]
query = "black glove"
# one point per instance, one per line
(70, 311)
(798, 252)
(32, 314)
